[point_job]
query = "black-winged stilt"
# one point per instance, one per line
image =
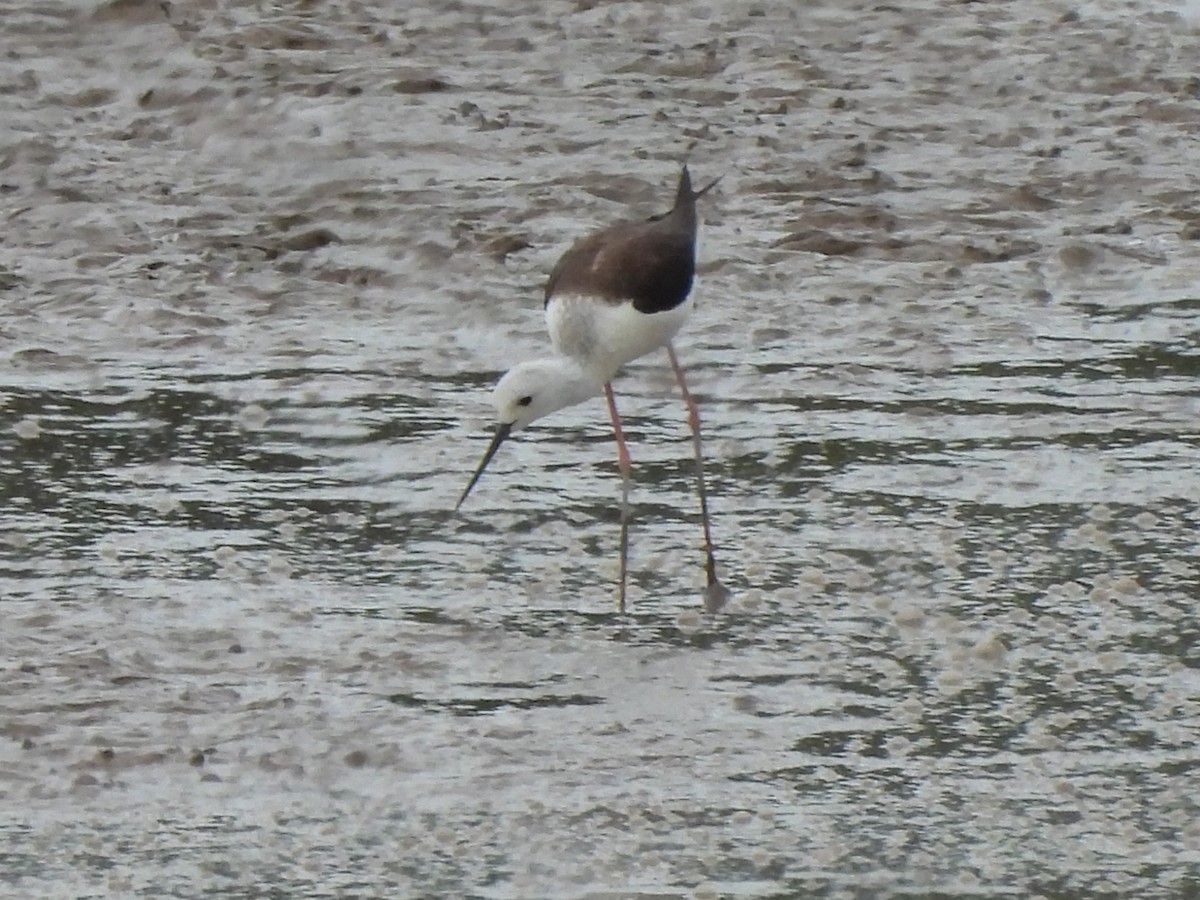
(615, 295)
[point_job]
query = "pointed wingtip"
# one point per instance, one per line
(708, 187)
(684, 193)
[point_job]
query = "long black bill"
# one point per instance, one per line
(502, 431)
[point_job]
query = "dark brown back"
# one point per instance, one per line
(650, 263)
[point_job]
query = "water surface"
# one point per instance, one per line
(260, 267)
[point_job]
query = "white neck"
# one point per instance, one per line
(576, 385)
(567, 383)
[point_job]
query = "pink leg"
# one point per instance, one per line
(626, 466)
(716, 594)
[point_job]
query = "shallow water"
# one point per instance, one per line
(259, 269)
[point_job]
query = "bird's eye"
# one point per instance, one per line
(524, 401)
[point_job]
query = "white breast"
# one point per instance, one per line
(602, 336)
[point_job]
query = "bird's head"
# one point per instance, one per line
(530, 391)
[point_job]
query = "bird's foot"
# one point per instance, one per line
(716, 595)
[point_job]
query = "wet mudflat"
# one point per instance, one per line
(259, 268)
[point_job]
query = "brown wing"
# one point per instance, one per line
(649, 263)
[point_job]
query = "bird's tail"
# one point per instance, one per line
(684, 193)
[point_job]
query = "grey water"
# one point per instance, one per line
(259, 268)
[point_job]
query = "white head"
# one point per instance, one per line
(535, 389)
(532, 390)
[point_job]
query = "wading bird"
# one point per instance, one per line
(615, 295)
